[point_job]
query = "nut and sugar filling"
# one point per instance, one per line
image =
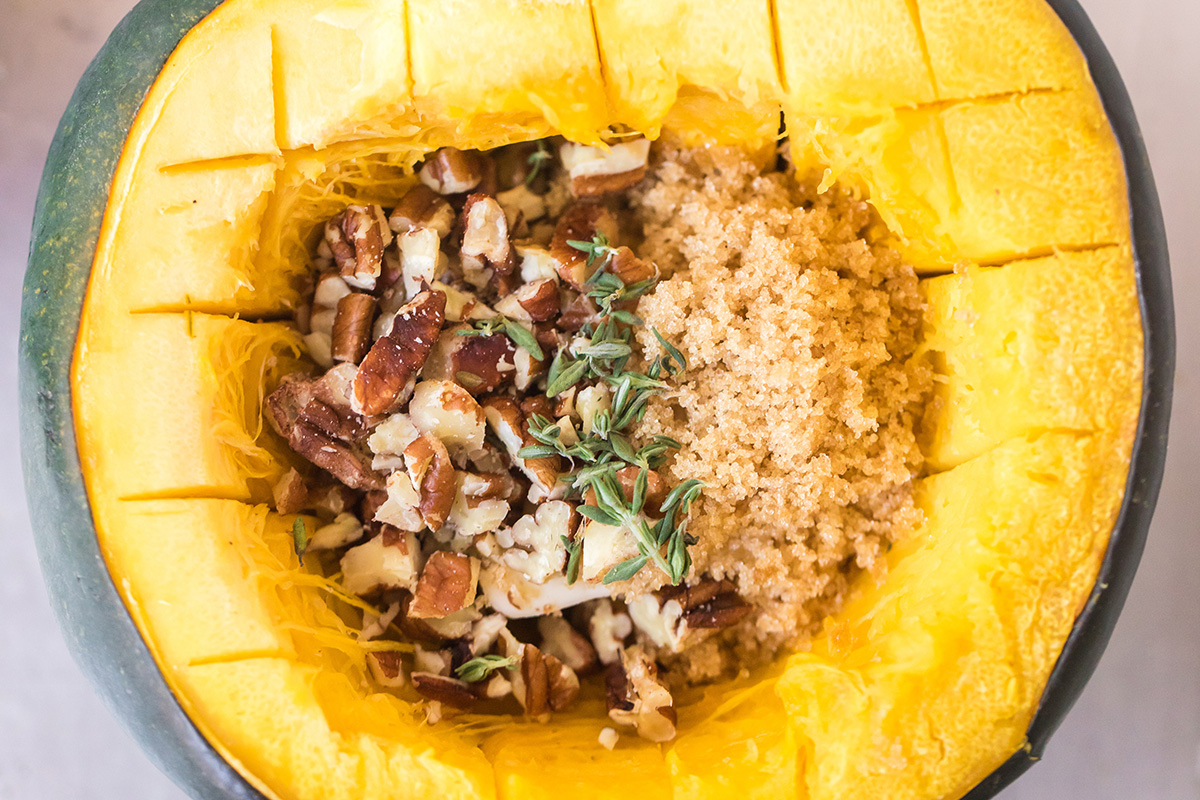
(638, 411)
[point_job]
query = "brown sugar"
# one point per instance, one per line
(798, 408)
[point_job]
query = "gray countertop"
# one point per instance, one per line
(1135, 733)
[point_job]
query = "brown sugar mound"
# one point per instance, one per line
(799, 405)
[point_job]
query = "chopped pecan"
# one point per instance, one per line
(352, 327)
(357, 238)
(421, 259)
(448, 411)
(543, 683)
(325, 435)
(432, 474)
(413, 628)
(595, 172)
(580, 222)
(443, 689)
(332, 499)
(656, 487)
(636, 696)
(580, 311)
(537, 301)
(629, 268)
(561, 640)
(422, 207)
(480, 364)
(447, 584)
(722, 611)
(382, 563)
(485, 243)
(398, 357)
(345, 529)
(386, 668)
(452, 171)
(291, 494)
(508, 422)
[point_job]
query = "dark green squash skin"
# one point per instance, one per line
(99, 631)
(66, 226)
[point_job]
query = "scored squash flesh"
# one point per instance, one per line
(974, 130)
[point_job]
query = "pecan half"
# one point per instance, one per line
(708, 604)
(580, 222)
(447, 584)
(422, 207)
(450, 691)
(397, 357)
(352, 327)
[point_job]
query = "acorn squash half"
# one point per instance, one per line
(179, 200)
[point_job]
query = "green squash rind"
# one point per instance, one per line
(66, 226)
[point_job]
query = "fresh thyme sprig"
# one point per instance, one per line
(597, 457)
(518, 333)
(538, 160)
(477, 669)
(597, 248)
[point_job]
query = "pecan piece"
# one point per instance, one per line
(561, 640)
(290, 492)
(656, 487)
(508, 422)
(480, 364)
(325, 435)
(485, 243)
(543, 683)
(422, 207)
(385, 562)
(386, 668)
(432, 474)
(352, 327)
(722, 611)
(629, 268)
(448, 411)
(397, 357)
(447, 584)
(595, 172)
(357, 238)
(443, 689)
(580, 222)
(452, 171)
(636, 696)
(537, 301)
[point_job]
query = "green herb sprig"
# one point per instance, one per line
(518, 333)
(597, 457)
(538, 160)
(478, 668)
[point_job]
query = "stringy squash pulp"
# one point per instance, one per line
(974, 130)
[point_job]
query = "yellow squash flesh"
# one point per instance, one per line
(974, 129)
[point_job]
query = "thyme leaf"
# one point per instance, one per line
(300, 537)
(477, 669)
(518, 333)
